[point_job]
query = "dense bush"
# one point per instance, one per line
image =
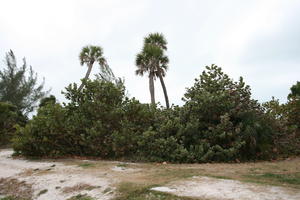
(97, 121)
(293, 123)
(136, 119)
(45, 134)
(223, 122)
(292, 110)
(82, 127)
(93, 114)
(286, 118)
(218, 122)
(161, 141)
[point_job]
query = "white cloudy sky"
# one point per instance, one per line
(256, 39)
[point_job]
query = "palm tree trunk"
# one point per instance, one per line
(151, 88)
(86, 76)
(164, 89)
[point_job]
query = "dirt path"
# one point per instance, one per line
(60, 180)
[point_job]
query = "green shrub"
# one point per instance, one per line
(292, 108)
(136, 119)
(223, 123)
(45, 134)
(9, 117)
(286, 120)
(93, 114)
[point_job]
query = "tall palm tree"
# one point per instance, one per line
(153, 61)
(145, 63)
(89, 55)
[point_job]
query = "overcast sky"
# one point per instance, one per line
(256, 39)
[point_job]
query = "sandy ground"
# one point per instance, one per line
(57, 178)
(212, 188)
(62, 179)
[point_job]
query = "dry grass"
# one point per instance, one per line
(160, 174)
(78, 187)
(240, 171)
(15, 189)
(281, 173)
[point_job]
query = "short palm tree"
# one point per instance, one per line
(153, 61)
(89, 55)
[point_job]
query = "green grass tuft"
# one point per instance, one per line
(86, 165)
(81, 197)
(292, 178)
(42, 192)
(12, 198)
(284, 178)
(122, 165)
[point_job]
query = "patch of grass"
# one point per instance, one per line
(175, 174)
(292, 178)
(107, 190)
(81, 197)
(122, 165)
(78, 187)
(131, 191)
(254, 169)
(12, 198)
(86, 165)
(15, 189)
(284, 178)
(219, 177)
(42, 192)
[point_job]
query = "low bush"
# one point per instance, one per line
(45, 134)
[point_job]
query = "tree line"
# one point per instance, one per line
(219, 120)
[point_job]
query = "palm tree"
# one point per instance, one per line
(89, 55)
(144, 62)
(153, 61)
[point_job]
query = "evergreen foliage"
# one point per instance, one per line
(19, 88)
(9, 117)
(293, 106)
(286, 120)
(223, 121)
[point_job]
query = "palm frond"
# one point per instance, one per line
(152, 51)
(157, 39)
(152, 58)
(139, 72)
(90, 54)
